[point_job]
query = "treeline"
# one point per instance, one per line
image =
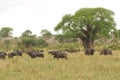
(91, 26)
(29, 40)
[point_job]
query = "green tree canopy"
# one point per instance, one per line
(45, 32)
(87, 24)
(27, 33)
(6, 32)
(41, 42)
(27, 39)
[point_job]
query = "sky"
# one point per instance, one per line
(37, 15)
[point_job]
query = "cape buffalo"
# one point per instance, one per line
(89, 51)
(106, 52)
(2, 55)
(14, 53)
(58, 54)
(34, 54)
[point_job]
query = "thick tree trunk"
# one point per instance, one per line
(88, 45)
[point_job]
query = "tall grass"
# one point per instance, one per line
(77, 67)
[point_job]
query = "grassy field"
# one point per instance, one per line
(77, 67)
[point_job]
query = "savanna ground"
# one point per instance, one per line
(77, 67)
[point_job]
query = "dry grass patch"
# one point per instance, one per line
(77, 67)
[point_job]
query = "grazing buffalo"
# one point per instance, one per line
(89, 51)
(2, 55)
(18, 52)
(34, 54)
(10, 55)
(31, 54)
(53, 52)
(40, 50)
(40, 54)
(14, 53)
(106, 52)
(58, 54)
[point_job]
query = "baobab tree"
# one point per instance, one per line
(87, 24)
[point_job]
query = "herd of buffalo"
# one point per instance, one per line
(56, 54)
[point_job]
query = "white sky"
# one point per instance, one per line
(36, 15)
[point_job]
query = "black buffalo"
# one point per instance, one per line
(53, 52)
(31, 54)
(106, 52)
(2, 55)
(14, 53)
(89, 51)
(58, 54)
(34, 54)
(40, 54)
(10, 55)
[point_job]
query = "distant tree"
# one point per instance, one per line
(46, 33)
(60, 38)
(6, 32)
(41, 42)
(27, 33)
(87, 24)
(28, 40)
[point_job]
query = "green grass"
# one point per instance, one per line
(77, 67)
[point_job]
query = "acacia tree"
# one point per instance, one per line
(87, 24)
(27, 39)
(6, 32)
(27, 33)
(46, 33)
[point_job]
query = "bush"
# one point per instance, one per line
(63, 46)
(114, 47)
(41, 43)
(27, 42)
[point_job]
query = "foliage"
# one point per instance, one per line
(6, 32)
(96, 20)
(45, 32)
(114, 47)
(28, 41)
(63, 46)
(118, 35)
(42, 43)
(65, 38)
(27, 33)
(32, 41)
(87, 24)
